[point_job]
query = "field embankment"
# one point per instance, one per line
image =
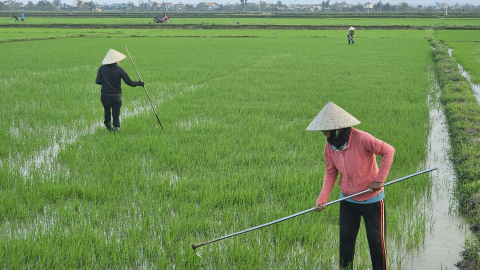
(236, 23)
(239, 26)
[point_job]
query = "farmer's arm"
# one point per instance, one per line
(127, 79)
(331, 173)
(387, 152)
(99, 77)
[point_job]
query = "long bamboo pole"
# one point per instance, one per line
(308, 210)
(151, 103)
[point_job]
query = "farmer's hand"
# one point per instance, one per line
(376, 186)
(319, 207)
(140, 83)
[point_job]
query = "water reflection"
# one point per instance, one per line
(475, 87)
(446, 230)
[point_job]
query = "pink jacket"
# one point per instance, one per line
(357, 166)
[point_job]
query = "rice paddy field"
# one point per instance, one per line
(233, 154)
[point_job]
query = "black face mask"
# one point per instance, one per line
(341, 139)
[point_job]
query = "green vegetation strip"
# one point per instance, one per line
(242, 22)
(462, 111)
(29, 34)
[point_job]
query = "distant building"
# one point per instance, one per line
(178, 7)
(212, 5)
(119, 6)
(155, 4)
(78, 3)
(13, 3)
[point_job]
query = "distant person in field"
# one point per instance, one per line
(352, 153)
(109, 76)
(165, 17)
(351, 32)
(15, 17)
(23, 17)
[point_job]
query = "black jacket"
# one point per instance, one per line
(109, 77)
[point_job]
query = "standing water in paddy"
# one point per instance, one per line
(475, 87)
(446, 231)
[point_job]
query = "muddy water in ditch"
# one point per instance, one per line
(446, 230)
(475, 87)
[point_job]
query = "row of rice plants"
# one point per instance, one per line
(26, 34)
(234, 152)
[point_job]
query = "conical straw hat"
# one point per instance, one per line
(332, 117)
(351, 28)
(113, 57)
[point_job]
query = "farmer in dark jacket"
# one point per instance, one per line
(109, 76)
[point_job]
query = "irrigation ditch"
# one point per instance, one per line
(475, 87)
(462, 112)
(446, 230)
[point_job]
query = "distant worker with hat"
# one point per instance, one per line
(351, 32)
(352, 152)
(109, 76)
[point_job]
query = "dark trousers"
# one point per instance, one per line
(350, 39)
(375, 224)
(112, 105)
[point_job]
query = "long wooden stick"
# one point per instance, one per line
(151, 103)
(308, 210)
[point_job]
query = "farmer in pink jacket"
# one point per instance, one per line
(352, 152)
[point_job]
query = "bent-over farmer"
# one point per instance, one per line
(109, 76)
(351, 32)
(352, 152)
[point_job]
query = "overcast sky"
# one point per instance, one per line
(393, 2)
